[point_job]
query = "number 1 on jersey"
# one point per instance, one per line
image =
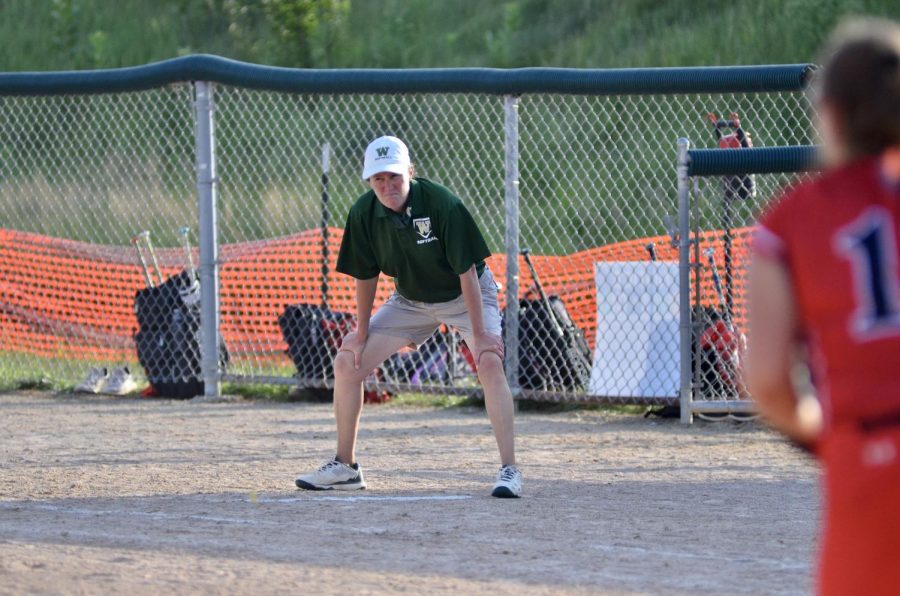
(870, 245)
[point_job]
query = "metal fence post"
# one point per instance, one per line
(209, 249)
(684, 281)
(511, 315)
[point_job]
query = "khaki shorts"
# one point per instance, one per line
(417, 321)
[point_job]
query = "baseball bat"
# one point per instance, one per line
(717, 282)
(145, 236)
(576, 354)
(140, 253)
(651, 250)
(544, 300)
(185, 234)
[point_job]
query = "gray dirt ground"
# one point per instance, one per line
(126, 495)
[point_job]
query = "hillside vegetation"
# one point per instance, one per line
(104, 155)
(84, 34)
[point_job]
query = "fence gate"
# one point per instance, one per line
(715, 232)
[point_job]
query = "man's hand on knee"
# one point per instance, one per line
(486, 342)
(353, 343)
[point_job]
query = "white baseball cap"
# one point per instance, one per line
(386, 154)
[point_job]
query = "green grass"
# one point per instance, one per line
(259, 391)
(80, 34)
(423, 400)
(18, 373)
(433, 400)
(22, 372)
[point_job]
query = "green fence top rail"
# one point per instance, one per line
(759, 160)
(200, 67)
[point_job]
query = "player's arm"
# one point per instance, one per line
(471, 292)
(773, 349)
(365, 299)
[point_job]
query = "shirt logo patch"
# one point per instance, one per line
(423, 226)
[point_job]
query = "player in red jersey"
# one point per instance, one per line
(825, 288)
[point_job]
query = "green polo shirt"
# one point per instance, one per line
(425, 250)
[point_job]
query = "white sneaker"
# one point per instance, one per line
(333, 475)
(94, 380)
(509, 483)
(119, 382)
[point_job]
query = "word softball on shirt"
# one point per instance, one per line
(422, 225)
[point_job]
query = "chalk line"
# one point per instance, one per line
(317, 497)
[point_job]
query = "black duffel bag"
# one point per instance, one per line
(553, 354)
(313, 335)
(168, 337)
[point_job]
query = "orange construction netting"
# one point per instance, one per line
(66, 299)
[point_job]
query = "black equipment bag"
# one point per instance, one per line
(553, 354)
(168, 339)
(313, 335)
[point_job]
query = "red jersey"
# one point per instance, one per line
(837, 236)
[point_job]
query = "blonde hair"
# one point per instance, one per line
(861, 83)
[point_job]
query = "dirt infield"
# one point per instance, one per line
(116, 495)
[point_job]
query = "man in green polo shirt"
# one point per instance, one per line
(419, 233)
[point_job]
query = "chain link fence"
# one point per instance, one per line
(80, 176)
(592, 207)
(720, 220)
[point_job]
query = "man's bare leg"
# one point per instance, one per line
(499, 403)
(348, 388)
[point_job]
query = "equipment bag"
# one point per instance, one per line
(168, 339)
(553, 354)
(313, 335)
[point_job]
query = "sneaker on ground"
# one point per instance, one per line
(120, 382)
(94, 380)
(509, 483)
(333, 475)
